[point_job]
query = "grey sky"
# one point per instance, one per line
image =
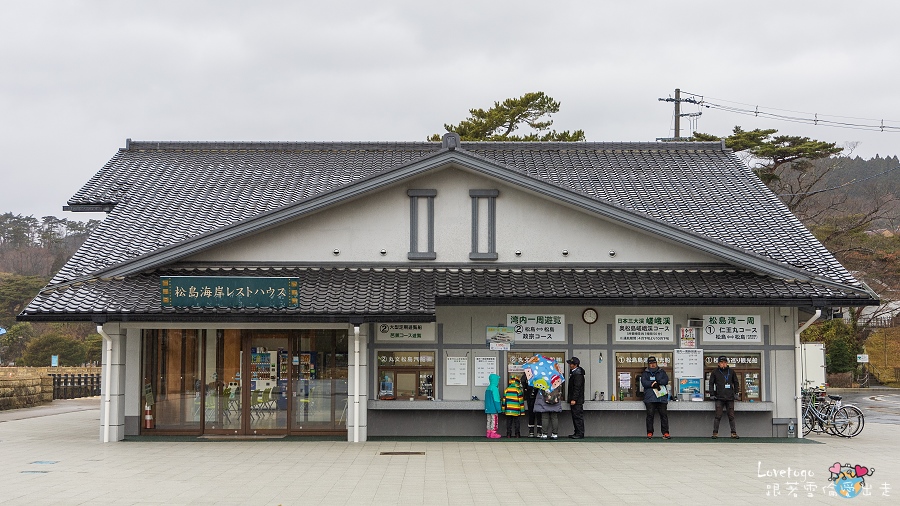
(78, 78)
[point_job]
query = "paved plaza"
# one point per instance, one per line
(52, 455)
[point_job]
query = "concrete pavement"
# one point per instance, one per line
(52, 455)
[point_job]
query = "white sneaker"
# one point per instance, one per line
(554, 436)
(542, 436)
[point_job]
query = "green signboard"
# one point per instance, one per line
(227, 291)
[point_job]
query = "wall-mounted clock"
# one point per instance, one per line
(589, 316)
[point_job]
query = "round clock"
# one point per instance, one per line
(589, 316)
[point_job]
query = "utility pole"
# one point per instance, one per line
(677, 113)
(678, 100)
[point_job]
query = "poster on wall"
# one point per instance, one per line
(500, 335)
(484, 367)
(732, 329)
(688, 337)
(624, 380)
(542, 328)
(396, 332)
(457, 371)
(644, 329)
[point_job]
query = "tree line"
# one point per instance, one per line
(31, 251)
(39, 247)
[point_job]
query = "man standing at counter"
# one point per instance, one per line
(656, 396)
(723, 388)
(576, 396)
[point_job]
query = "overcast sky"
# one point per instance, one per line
(78, 78)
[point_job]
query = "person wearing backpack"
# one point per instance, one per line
(549, 405)
(656, 398)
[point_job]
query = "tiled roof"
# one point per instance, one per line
(413, 293)
(164, 193)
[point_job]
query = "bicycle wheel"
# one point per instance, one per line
(849, 421)
(809, 422)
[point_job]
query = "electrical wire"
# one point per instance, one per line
(807, 118)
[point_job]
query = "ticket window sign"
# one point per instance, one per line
(644, 328)
(732, 329)
(538, 328)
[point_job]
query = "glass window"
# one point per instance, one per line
(629, 367)
(421, 224)
(748, 368)
(405, 375)
(484, 224)
(173, 384)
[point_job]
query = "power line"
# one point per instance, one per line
(807, 118)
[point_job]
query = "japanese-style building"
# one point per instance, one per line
(368, 289)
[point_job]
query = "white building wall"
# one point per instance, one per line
(537, 227)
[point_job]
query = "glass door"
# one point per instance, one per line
(275, 381)
(224, 390)
(319, 381)
(267, 381)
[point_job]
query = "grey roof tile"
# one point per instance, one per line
(391, 292)
(165, 192)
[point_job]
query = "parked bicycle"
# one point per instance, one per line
(825, 413)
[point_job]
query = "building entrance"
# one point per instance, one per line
(246, 382)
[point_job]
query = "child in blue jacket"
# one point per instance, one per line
(492, 405)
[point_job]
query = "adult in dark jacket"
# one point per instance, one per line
(533, 420)
(655, 380)
(576, 396)
(723, 389)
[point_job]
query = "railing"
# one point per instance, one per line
(73, 386)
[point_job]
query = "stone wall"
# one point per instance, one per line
(22, 390)
(25, 387)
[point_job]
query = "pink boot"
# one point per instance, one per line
(494, 435)
(488, 435)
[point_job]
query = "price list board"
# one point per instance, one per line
(688, 363)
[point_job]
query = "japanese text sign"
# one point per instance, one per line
(732, 329)
(227, 291)
(538, 327)
(644, 328)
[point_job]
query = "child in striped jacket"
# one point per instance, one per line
(513, 406)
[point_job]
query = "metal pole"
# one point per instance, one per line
(356, 383)
(677, 113)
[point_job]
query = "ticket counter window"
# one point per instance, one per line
(405, 375)
(747, 367)
(630, 366)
